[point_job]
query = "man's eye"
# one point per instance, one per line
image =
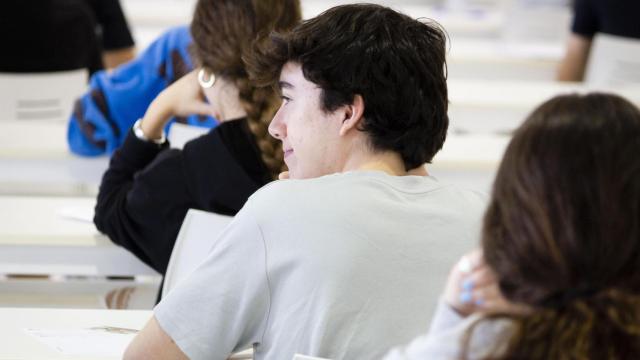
(285, 99)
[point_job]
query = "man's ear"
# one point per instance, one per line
(353, 114)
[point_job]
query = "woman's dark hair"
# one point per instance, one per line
(562, 231)
(395, 63)
(223, 32)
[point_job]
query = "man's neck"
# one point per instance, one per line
(387, 161)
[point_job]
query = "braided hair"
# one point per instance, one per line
(223, 32)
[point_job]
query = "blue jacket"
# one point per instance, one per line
(115, 100)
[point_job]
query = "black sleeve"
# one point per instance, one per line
(147, 191)
(143, 200)
(585, 19)
(115, 30)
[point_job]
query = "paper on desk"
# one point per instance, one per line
(98, 341)
(79, 213)
(180, 134)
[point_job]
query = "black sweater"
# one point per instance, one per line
(148, 189)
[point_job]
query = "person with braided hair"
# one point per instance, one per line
(148, 188)
(558, 275)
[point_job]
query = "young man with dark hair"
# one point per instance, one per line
(343, 260)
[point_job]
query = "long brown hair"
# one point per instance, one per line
(223, 32)
(562, 231)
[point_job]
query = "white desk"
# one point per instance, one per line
(149, 19)
(469, 161)
(469, 23)
(75, 292)
(501, 106)
(19, 345)
(28, 139)
(483, 114)
(497, 59)
(35, 160)
(474, 151)
(35, 239)
(163, 13)
(65, 176)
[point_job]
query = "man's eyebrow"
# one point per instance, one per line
(284, 85)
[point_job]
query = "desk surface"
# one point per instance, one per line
(43, 221)
(149, 19)
(26, 139)
(17, 344)
(477, 151)
(34, 159)
(39, 236)
(499, 51)
(527, 94)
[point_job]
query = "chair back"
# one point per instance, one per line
(40, 96)
(613, 61)
(180, 134)
(199, 231)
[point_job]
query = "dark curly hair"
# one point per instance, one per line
(397, 64)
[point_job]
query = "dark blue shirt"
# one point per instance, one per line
(614, 17)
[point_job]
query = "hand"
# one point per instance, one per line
(472, 287)
(182, 98)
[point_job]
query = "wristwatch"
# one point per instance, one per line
(137, 131)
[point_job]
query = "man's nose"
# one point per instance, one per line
(276, 128)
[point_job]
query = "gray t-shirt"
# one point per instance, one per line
(344, 266)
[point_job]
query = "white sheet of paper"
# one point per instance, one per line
(99, 341)
(78, 213)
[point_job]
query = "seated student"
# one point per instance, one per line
(561, 238)
(115, 99)
(331, 263)
(148, 188)
(102, 117)
(57, 35)
(614, 17)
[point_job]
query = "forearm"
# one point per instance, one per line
(571, 69)
(133, 156)
(573, 65)
(153, 342)
(156, 117)
(112, 207)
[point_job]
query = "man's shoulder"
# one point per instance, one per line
(287, 190)
(464, 196)
(294, 196)
(360, 184)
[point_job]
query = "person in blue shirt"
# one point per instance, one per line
(115, 100)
